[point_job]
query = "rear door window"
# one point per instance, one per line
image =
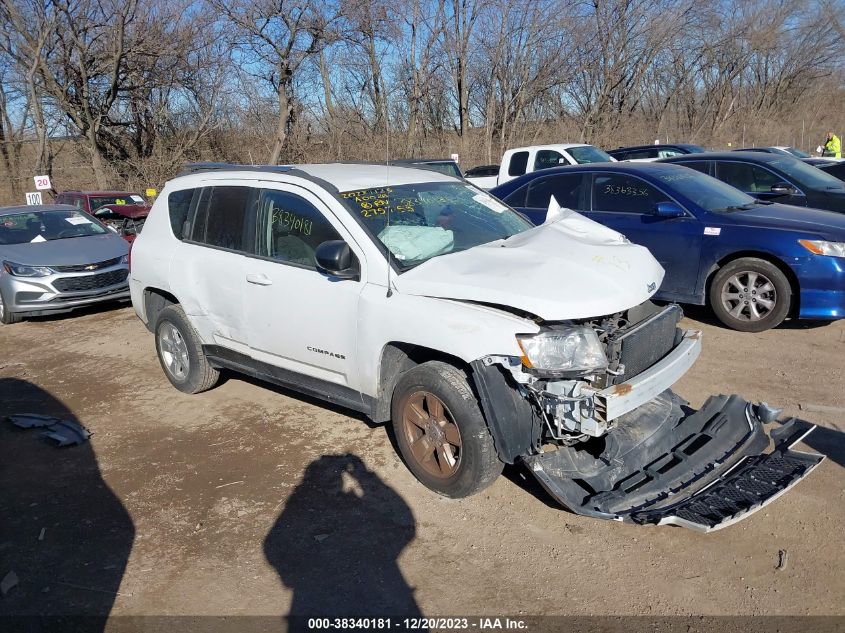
(290, 228)
(624, 194)
(567, 190)
(518, 164)
(224, 218)
(747, 177)
(179, 205)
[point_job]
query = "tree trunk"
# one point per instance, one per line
(283, 125)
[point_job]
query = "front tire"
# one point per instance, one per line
(750, 295)
(441, 433)
(7, 317)
(180, 353)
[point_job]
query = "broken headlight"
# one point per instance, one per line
(563, 351)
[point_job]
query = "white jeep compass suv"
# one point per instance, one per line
(417, 298)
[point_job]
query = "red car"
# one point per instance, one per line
(123, 210)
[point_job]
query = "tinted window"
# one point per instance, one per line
(641, 153)
(223, 216)
(804, 175)
(518, 164)
(566, 189)
(178, 203)
(588, 154)
(698, 165)
(704, 191)
(484, 170)
(668, 153)
(620, 192)
(290, 228)
(747, 177)
(548, 158)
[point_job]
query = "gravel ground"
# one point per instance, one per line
(249, 499)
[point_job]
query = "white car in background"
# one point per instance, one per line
(522, 160)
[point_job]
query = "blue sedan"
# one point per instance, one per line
(753, 262)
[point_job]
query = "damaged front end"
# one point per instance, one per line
(612, 441)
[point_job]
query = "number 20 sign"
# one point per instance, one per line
(42, 183)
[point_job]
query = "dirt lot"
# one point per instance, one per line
(248, 499)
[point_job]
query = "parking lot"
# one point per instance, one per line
(248, 499)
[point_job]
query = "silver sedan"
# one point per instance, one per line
(54, 258)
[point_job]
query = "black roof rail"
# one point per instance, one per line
(197, 168)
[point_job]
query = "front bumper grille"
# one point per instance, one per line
(91, 282)
(82, 268)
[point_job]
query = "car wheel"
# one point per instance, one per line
(7, 317)
(441, 432)
(750, 295)
(180, 352)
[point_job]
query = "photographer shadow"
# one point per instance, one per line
(337, 541)
(64, 534)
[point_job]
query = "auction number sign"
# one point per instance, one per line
(42, 183)
(33, 197)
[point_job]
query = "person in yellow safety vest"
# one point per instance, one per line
(832, 146)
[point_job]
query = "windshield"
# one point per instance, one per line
(120, 199)
(431, 219)
(708, 193)
(44, 226)
(805, 175)
(584, 154)
(797, 152)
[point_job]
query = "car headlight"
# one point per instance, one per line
(822, 247)
(20, 270)
(124, 259)
(564, 350)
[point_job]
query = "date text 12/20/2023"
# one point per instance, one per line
(426, 624)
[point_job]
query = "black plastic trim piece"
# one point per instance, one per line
(221, 357)
(514, 424)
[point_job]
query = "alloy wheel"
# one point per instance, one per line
(174, 351)
(432, 435)
(749, 296)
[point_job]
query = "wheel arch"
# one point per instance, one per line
(786, 269)
(156, 300)
(397, 358)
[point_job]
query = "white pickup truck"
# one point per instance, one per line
(522, 160)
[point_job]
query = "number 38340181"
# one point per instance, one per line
(292, 221)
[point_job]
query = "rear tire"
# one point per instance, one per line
(441, 433)
(750, 295)
(6, 317)
(180, 352)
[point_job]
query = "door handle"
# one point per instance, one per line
(259, 279)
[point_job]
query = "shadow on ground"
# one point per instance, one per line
(63, 532)
(828, 442)
(336, 544)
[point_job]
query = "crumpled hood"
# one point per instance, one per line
(66, 252)
(571, 269)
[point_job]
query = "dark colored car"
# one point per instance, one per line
(653, 152)
(772, 177)
(442, 165)
(482, 170)
(123, 210)
(753, 262)
(773, 149)
(834, 168)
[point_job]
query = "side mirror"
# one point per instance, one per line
(668, 210)
(334, 258)
(782, 189)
